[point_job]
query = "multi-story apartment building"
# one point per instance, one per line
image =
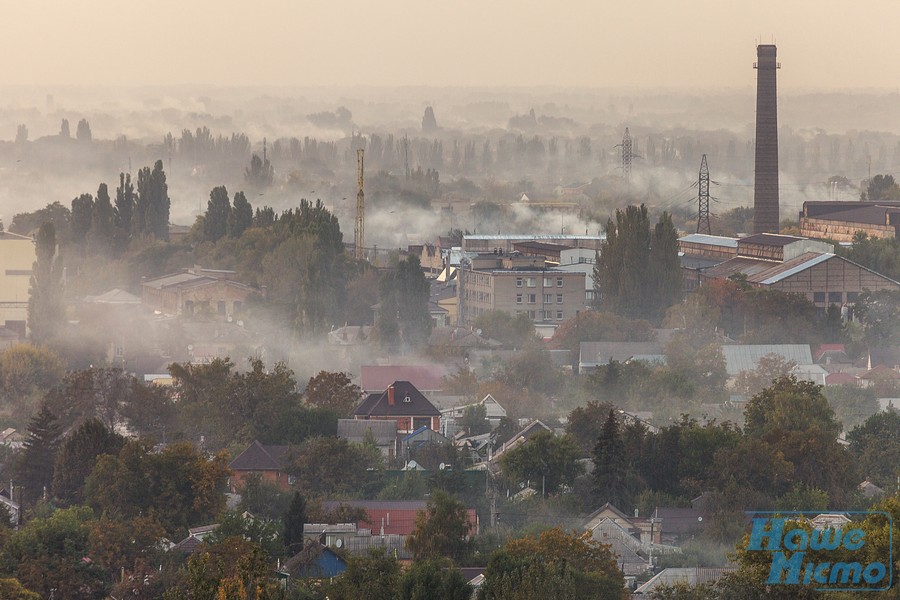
(515, 283)
(17, 255)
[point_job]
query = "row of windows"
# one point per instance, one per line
(479, 296)
(532, 298)
(532, 281)
(834, 297)
(546, 315)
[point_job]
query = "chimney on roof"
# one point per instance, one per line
(391, 395)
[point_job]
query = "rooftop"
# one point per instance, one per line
(770, 239)
(710, 240)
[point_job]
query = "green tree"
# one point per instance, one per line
(881, 188)
(333, 390)
(665, 266)
(46, 313)
(77, 456)
(609, 465)
(34, 469)
(441, 530)
(547, 461)
(12, 589)
(585, 423)
(403, 298)
(124, 209)
(879, 314)
(875, 446)
(101, 238)
(240, 217)
(374, 577)
(500, 325)
(433, 580)
(553, 566)
(474, 420)
(332, 465)
(151, 208)
(83, 131)
(27, 370)
(218, 214)
(82, 217)
(294, 519)
(260, 174)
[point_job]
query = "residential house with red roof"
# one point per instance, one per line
(269, 462)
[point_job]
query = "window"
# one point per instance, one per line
(188, 307)
(559, 282)
(237, 306)
(518, 298)
(532, 282)
(559, 298)
(818, 296)
(518, 282)
(548, 282)
(531, 314)
(220, 307)
(852, 296)
(532, 298)
(559, 315)
(835, 297)
(548, 298)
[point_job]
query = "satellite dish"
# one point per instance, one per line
(699, 518)
(338, 543)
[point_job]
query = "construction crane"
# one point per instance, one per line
(360, 232)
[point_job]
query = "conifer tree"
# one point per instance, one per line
(609, 464)
(45, 302)
(35, 467)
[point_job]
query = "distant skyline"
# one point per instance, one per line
(823, 44)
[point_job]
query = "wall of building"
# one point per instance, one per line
(17, 256)
(843, 231)
(545, 295)
(834, 281)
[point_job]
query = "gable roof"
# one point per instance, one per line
(745, 357)
(258, 457)
(379, 377)
(399, 399)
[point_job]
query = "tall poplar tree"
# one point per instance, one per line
(46, 311)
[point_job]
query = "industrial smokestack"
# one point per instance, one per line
(765, 182)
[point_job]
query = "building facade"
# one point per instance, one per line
(518, 285)
(17, 256)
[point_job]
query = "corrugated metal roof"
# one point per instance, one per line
(710, 240)
(534, 237)
(745, 357)
(803, 264)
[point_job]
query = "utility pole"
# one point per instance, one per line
(627, 146)
(359, 238)
(703, 199)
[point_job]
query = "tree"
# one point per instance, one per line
(78, 455)
(64, 129)
(374, 577)
(294, 519)
(609, 465)
(35, 465)
(218, 213)
(46, 313)
(553, 566)
(593, 326)
(585, 423)
(429, 123)
(769, 368)
(545, 460)
(474, 420)
(403, 297)
(881, 188)
(794, 418)
(102, 235)
(441, 530)
(260, 174)
(879, 314)
(82, 216)
(433, 580)
(637, 273)
(875, 446)
(332, 465)
(12, 589)
(334, 391)
(83, 132)
(512, 330)
(124, 208)
(21, 133)
(26, 370)
(151, 209)
(241, 216)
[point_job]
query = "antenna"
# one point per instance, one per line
(703, 199)
(358, 250)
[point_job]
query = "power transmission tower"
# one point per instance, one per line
(406, 154)
(360, 231)
(627, 146)
(703, 199)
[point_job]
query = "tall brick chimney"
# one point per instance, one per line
(765, 181)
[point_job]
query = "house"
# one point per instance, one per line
(869, 489)
(745, 357)
(629, 538)
(494, 412)
(197, 291)
(315, 561)
(530, 430)
(393, 517)
(383, 433)
(12, 438)
(688, 575)
(401, 402)
(269, 462)
(677, 525)
(428, 379)
(596, 354)
(879, 376)
(196, 536)
(421, 437)
(13, 507)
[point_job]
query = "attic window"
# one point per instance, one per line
(406, 398)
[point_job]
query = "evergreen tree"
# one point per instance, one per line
(403, 295)
(218, 213)
(609, 464)
(78, 455)
(83, 133)
(151, 211)
(46, 312)
(240, 217)
(665, 266)
(35, 466)
(102, 234)
(64, 129)
(82, 216)
(294, 519)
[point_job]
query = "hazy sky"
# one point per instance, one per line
(828, 44)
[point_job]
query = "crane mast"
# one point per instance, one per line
(360, 231)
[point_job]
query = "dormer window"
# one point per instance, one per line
(406, 398)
